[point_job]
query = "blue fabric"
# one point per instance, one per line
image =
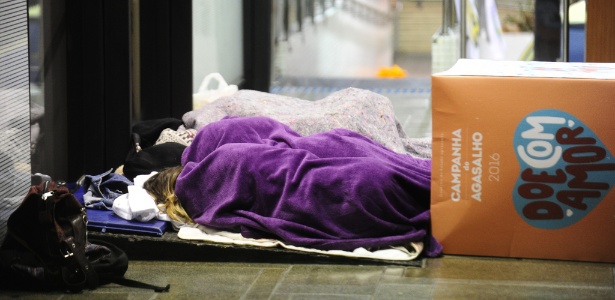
(101, 190)
(332, 190)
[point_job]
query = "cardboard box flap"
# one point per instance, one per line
(535, 69)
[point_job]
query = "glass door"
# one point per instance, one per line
(217, 44)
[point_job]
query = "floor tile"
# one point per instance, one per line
(479, 290)
(318, 296)
(266, 283)
(518, 272)
(330, 280)
(194, 279)
(417, 291)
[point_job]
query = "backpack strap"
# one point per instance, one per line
(78, 224)
(138, 284)
(71, 234)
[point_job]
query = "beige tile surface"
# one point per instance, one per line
(517, 271)
(449, 277)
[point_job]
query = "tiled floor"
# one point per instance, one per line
(449, 277)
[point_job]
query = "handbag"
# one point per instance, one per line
(46, 246)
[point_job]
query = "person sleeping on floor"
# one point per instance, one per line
(332, 190)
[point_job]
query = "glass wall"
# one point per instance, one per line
(337, 39)
(217, 41)
(15, 124)
(387, 46)
(358, 38)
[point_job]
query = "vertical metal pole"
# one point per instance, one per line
(482, 16)
(566, 30)
(444, 27)
(135, 54)
(462, 29)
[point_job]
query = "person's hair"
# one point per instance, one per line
(161, 186)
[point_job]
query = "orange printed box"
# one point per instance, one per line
(522, 162)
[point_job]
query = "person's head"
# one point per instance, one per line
(161, 186)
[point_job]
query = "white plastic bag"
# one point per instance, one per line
(205, 95)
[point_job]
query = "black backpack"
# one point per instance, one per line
(46, 247)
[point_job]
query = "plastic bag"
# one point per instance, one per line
(205, 95)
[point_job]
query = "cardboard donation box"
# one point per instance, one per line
(523, 160)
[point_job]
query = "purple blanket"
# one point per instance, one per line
(331, 190)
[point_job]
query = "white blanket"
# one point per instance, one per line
(202, 233)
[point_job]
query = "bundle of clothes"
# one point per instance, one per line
(364, 120)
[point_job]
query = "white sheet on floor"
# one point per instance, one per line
(202, 233)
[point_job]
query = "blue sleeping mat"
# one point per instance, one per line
(107, 221)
